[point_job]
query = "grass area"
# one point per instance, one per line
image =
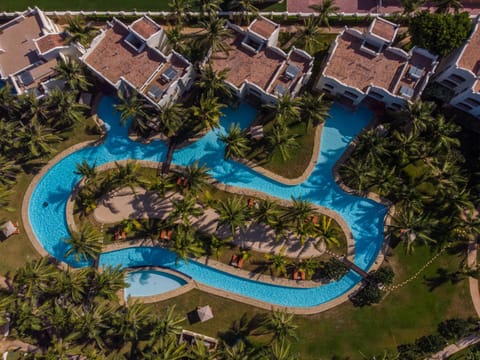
(408, 313)
(18, 247)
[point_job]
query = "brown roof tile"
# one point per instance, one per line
(49, 42)
(245, 65)
(384, 29)
(263, 27)
(355, 68)
(16, 41)
(113, 58)
(145, 27)
(470, 58)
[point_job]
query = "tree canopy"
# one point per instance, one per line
(439, 33)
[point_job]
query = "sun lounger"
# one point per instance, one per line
(163, 234)
(295, 275)
(240, 263)
(251, 203)
(302, 275)
(315, 219)
(234, 260)
(124, 235)
(169, 234)
(180, 180)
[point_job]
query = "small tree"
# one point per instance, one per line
(430, 343)
(454, 329)
(368, 295)
(439, 33)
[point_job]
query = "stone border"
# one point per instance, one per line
(190, 284)
(290, 181)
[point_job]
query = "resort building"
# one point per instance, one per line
(132, 56)
(365, 65)
(258, 69)
(30, 46)
(460, 72)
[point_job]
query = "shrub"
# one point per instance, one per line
(430, 343)
(384, 276)
(408, 351)
(332, 269)
(439, 33)
(368, 295)
(454, 329)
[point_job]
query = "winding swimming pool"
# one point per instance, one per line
(365, 217)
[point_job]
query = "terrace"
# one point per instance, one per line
(145, 27)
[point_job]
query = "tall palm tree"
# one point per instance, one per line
(281, 139)
(171, 118)
(444, 6)
(166, 348)
(196, 177)
(79, 32)
(357, 174)
(327, 234)
(411, 227)
(236, 144)
(105, 284)
(212, 83)
(314, 109)
(180, 8)
(132, 107)
(65, 111)
(209, 7)
(310, 33)
(208, 112)
(309, 266)
(37, 139)
(411, 6)
(33, 109)
(89, 172)
(286, 110)
(232, 213)
(185, 244)
(326, 9)
(130, 322)
(278, 263)
(280, 325)
(280, 350)
(185, 208)
(215, 35)
(92, 323)
(8, 101)
(216, 245)
(300, 211)
(239, 351)
(71, 71)
(160, 184)
(169, 325)
(34, 278)
(200, 351)
(248, 8)
(267, 212)
(85, 245)
(176, 39)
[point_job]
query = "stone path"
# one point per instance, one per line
(124, 204)
(454, 348)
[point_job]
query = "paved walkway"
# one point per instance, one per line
(454, 348)
(124, 204)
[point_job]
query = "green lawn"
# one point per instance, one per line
(403, 316)
(18, 247)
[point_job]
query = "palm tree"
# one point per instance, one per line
(8, 171)
(411, 6)
(34, 277)
(327, 234)
(215, 35)
(412, 227)
(5, 198)
(87, 171)
(92, 323)
(180, 8)
(280, 325)
(232, 213)
(209, 7)
(444, 6)
(132, 107)
(236, 352)
(286, 110)
(216, 245)
(314, 109)
(310, 33)
(236, 144)
(159, 184)
(126, 175)
(169, 325)
(325, 10)
(8, 101)
(176, 38)
(171, 118)
(185, 244)
(208, 112)
(32, 109)
(267, 212)
(65, 111)
(357, 174)
(278, 263)
(196, 177)
(71, 71)
(185, 208)
(79, 32)
(85, 245)
(165, 348)
(309, 266)
(281, 139)
(199, 351)
(130, 322)
(37, 140)
(248, 8)
(300, 211)
(105, 284)
(418, 115)
(280, 350)
(212, 83)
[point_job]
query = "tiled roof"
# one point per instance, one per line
(258, 68)
(176, 63)
(296, 60)
(49, 42)
(113, 58)
(470, 58)
(263, 27)
(358, 69)
(145, 27)
(16, 42)
(384, 29)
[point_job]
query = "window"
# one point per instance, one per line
(327, 91)
(464, 106)
(395, 106)
(328, 86)
(449, 84)
(457, 78)
(350, 94)
(473, 102)
(376, 95)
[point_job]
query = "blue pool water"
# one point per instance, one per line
(151, 282)
(364, 217)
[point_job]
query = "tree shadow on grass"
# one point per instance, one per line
(443, 276)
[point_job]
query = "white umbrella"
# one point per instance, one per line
(204, 313)
(9, 229)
